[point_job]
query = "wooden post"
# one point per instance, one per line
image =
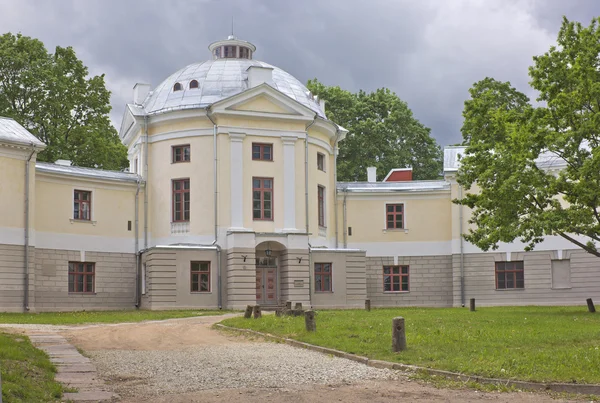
(472, 305)
(368, 305)
(257, 312)
(398, 334)
(248, 313)
(309, 321)
(278, 313)
(288, 305)
(591, 306)
(298, 306)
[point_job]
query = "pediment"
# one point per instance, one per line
(262, 103)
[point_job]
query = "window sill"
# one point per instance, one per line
(73, 220)
(323, 292)
(510, 289)
(82, 293)
(405, 230)
(396, 292)
(200, 292)
(561, 288)
(180, 162)
(258, 159)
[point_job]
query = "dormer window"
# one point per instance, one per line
(177, 87)
(193, 84)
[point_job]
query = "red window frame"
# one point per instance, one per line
(394, 216)
(181, 200)
(512, 273)
(259, 152)
(321, 162)
(321, 205)
(194, 84)
(82, 205)
(177, 87)
(82, 274)
(181, 153)
(396, 278)
(323, 277)
(199, 276)
(260, 190)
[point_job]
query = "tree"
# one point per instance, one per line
(382, 133)
(537, 168)
(52, 96)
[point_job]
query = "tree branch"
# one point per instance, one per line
(581, 245)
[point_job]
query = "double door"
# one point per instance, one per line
(266, 285)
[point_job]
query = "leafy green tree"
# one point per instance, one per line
(382, 133)
(52, 96)
(537, 168)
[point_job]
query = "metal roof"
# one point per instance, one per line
(92, 173)
(408, 186)
(219, 79)
(13, 132)
(546, 160)
(451, 158)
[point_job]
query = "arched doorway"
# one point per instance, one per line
(268, 262)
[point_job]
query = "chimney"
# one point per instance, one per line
(399, 175)
(258, 75)
(372, 174)
(140, 92)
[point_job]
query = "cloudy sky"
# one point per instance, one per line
(428, 51)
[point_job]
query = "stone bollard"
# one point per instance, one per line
(257, 312)
(472, 305)
(591, 306)
(288, 305)
(309, 321)
(398, 334)
(278, 313)
(367, 305)
(298, 306)
(248, 313)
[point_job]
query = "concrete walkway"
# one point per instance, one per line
(74, 370)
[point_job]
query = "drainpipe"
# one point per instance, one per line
(335, 199)
(306, 207)
(216, 209)
(345, 219)
(137, 247)
(462, 262)
(145, 177)
(26, 265)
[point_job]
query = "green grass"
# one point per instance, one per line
(544, 344)
(27, 373)
(76, 318)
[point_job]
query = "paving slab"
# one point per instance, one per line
(89, 396)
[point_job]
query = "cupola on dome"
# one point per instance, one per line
(202, 84)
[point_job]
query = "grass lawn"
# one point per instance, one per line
(75, 318)
(27, 374)
(560, 344)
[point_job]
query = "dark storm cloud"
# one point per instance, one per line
(429, 52)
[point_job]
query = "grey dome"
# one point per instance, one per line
(219, 79)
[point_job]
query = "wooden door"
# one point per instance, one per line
(259, 285)
(270, 283)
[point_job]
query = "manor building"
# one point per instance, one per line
(231, 199)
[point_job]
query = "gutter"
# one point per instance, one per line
(335, 199)
(216, 209)
(138, 280)
(26, 243)
(462, 261)
(145, 177)
(345, 219)
(306, 207)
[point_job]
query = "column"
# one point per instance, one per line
(289, 182)
(237, 185)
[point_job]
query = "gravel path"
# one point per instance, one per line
(243, 365)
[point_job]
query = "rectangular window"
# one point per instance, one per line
(181, 153)
(135, 166)
(82, 205)
(394, 216)
(262, 152)
(321, 204)
(321, 162)
(262, 199)
(200, 277)
(509, 275)
(181, 200)
(561, 274)
(81, 277)
(244, 53)
(230, 52)
(395, 278)
(323, 277)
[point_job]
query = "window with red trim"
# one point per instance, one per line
(323, 277)
(177, 87)
(321, 162)
(262, 199)
(193, 84)
(181, 153)
(321, 205)
(181, 200)
(395, 278)
(394, 216)
(262, 152)
(200, 277)
(510, 275)
(82, 205)
(81, 277)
